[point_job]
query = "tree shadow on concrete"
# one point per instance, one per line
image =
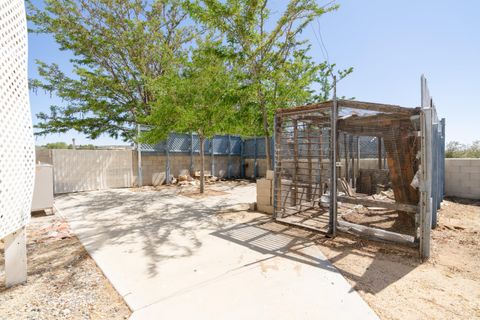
(385, 263)
(162, 224)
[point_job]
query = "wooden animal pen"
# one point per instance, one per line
(323, 183)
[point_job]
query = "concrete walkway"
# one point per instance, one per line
(174, 257)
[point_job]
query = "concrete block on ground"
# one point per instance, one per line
(264, 191)
(265, 208)
(270, 175)
(158, 178)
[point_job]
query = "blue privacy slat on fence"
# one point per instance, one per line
(249, 148)
(221, 145)
(159, 147)
(236, 145)
(179, 142)
(182, 143)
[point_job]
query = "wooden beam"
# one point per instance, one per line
(376, 234)
(309, 107)
(380, 203)
(295, 159)
(380, 107)
(345, 147)
(359, 230)
(309, 164)
(379, 141)
(401, 150)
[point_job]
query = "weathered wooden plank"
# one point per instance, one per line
(379, 141)
(375, 234)
(295, 159)
(387, 108)
(380, 203)
(309, 164)
(380, 107)
(401, 150)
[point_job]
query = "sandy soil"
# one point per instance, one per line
(397, 285)
(63, 281)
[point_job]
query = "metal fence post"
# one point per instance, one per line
(442, 160)
(167, 162)
(229, 169)
(333, 164)
(212, 156)
(242, 158)
(139, 159)
(192, 169)
(255, 154)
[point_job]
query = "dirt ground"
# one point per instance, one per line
(393, 280)
(65, 283)
(63, 280)
(395, 283)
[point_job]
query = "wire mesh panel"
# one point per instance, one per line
(378, 193)
(371, 151)
(302, 167)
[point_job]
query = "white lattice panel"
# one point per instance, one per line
(17, 150)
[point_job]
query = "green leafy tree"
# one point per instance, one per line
(276, 69)
(57, 145)
(200, 97)
(456, 149)
(117, 45)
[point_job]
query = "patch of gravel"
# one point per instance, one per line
(63, 280)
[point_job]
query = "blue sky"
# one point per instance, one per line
(389, 44)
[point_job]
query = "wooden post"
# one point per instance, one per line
(357, 173)
(379, 140)
(277, 181)
(345, 147)
(352, 169)
(309, 164)
(16, 258)
(320, 159)
(295, 160)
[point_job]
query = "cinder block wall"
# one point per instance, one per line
(43, 156)
(462, 178)
(261, 168)
(154, 163)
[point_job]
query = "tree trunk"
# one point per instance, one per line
(202, 164)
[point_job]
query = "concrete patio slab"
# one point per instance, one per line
(171, 256)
